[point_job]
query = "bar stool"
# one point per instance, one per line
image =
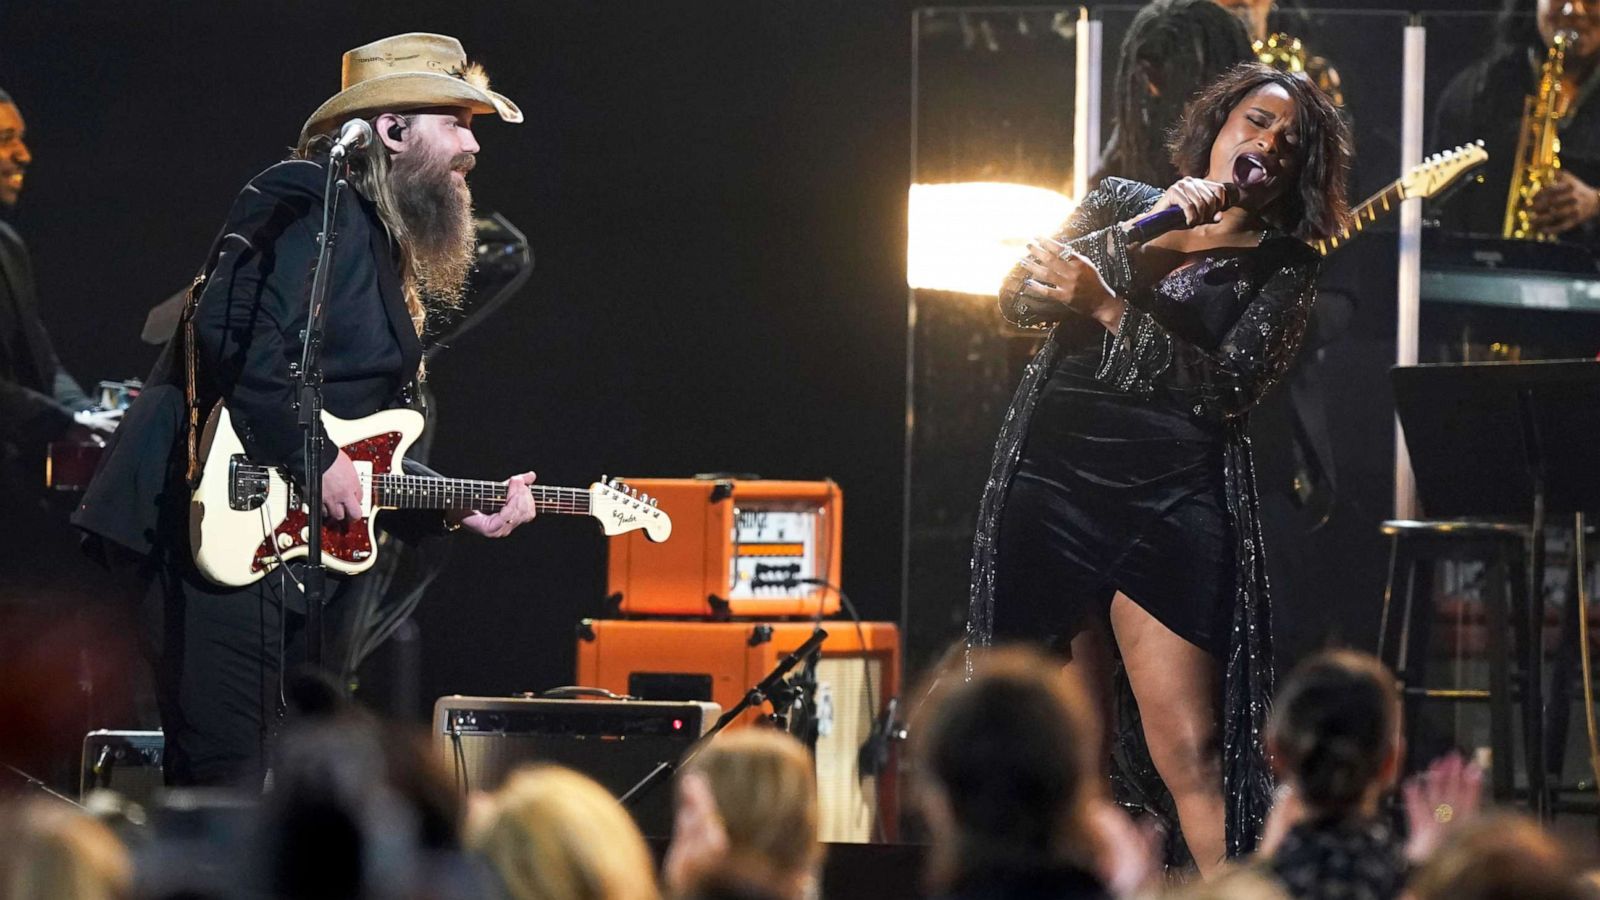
(1404, 631)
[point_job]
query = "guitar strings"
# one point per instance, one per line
(412, 491)
(422, 491)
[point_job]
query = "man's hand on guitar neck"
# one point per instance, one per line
(341, 490)
(519, 508)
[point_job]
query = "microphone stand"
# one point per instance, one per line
(764, 690)
(309, 401)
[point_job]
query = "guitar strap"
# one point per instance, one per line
(191, 399)
(191, 368)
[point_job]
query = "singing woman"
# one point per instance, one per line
(1119, 521)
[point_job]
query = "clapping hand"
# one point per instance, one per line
(1450, 791)
(1129, 854)
(699, 838)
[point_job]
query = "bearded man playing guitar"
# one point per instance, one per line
(405, 244)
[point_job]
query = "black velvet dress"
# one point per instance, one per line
(1123, 464)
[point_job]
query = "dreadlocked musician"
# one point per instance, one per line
(1172, 50)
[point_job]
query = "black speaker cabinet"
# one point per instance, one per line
(615, 742)
(128, 762)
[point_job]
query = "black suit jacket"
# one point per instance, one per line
(248, 328)
(37, 396)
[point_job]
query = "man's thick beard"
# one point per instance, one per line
(437, 214)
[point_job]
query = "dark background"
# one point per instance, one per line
(715, 193)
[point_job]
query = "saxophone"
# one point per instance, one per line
(1538, 159)
(1287, 53)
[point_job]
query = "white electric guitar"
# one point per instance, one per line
(246, 518)
(1432, 176)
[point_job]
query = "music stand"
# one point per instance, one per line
(1507, 441)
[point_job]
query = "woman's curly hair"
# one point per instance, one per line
(1315, 207)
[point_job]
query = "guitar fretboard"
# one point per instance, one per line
(390, 491)
(1370, 211)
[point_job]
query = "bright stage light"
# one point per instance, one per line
(965, 237)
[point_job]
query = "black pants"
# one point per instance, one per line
(220, 657)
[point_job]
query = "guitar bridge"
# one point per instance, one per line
(247, 484)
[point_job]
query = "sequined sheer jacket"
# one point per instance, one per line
(1217, 339)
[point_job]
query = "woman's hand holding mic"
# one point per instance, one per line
(1202, 201)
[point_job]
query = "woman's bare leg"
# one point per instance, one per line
(1093, 665)
(1175, 684)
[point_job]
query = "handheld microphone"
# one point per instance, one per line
(355, 135)
(1152, 226)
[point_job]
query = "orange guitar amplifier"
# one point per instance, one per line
(739, 547)
(857, 675)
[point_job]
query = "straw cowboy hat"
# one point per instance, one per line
(408, 71)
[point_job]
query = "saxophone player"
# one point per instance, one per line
(1487, 101)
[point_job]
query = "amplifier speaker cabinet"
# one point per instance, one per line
(615, 742)
(128, 762)
(857, 675)
(740, 547)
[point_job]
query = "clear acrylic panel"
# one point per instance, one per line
(993, 166)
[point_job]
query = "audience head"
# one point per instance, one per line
(354, 809)
(52, 850)
(732, 878)
(1238, 883)
(758, 787)
(1334, 732)
(1499, 857)
(1007, 778)
(552, 834)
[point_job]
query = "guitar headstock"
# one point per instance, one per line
(1441, 170)
(621, 509)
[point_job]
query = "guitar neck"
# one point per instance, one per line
(1371, 210)
(390, 491)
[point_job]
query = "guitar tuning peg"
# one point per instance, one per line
(602, 478)
(645, 497)
(654, 502)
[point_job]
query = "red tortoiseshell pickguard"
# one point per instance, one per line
(348, 541)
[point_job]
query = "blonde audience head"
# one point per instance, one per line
(552, 834)
(748, 799)
(52, 850)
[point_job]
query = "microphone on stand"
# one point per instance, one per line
(1154, 225)
(355, 135)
